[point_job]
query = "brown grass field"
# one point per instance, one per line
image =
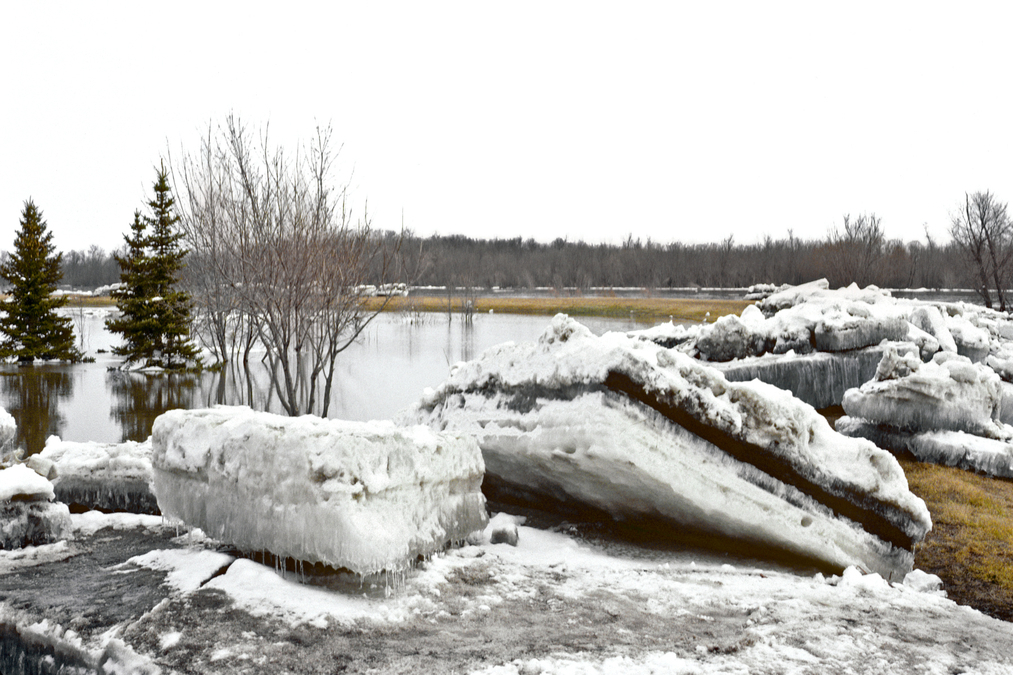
(646, 309)
(971, 543)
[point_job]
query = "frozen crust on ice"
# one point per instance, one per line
(949, 448)
(103, 476)
(533, 409)
(366, 496)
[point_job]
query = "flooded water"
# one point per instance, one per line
(387, 370)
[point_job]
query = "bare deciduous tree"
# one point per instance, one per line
(982, 230)
(853, 251)
(277, 258)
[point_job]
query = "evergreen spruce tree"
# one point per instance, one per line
(31, 327)
(155, 315)
(132, 298)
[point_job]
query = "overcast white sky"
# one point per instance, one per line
(669, 120)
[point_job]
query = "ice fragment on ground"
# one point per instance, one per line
(923, 582)
(948, 393)
(28, 516)
(105, 476)
(502, 529)
(365, 496)
(636, 430)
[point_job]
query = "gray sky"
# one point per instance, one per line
(585, 120)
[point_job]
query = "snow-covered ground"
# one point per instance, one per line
(552, 604)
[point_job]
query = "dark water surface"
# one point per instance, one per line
(386, 371)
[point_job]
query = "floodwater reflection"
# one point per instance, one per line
(387, 370)
(32, 394)
(138, 398)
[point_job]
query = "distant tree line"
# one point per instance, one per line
(856, 252)
(979, 255)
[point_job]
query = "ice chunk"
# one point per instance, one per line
(923, 582)
(730, 338)
(948, 448)
(27, 516)
(972, 341)
(365, 496)
(930, 320)
(103, 476)
(635, 430)
(819, 379)
(841, 330)
(948, 393)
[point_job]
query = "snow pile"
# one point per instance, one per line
(361, 495)
(639, 431)
(28, 516)
(105, 476)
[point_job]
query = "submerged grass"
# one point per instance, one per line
(646, 309)
(971, 543)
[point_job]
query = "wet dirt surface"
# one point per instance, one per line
(83, 592)
(488, 609)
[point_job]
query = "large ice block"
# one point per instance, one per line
(948, 393)
(103, 476)
(365, 496)
(639, 431)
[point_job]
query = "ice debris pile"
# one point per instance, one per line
(28, 515)
(818, 343)
(366, 496)
(625, 426)
(103, 476)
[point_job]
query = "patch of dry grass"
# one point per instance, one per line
(644, 309)
(971, 543)
(89, 301)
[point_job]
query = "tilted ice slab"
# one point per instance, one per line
(640, 431)
(948, 393)
(366, 496)
(949, 448)
(103, 476)
(28, 516)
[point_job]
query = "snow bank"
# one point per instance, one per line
(361, 495)
(637, 430)
(105, 476)
(28, 517)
